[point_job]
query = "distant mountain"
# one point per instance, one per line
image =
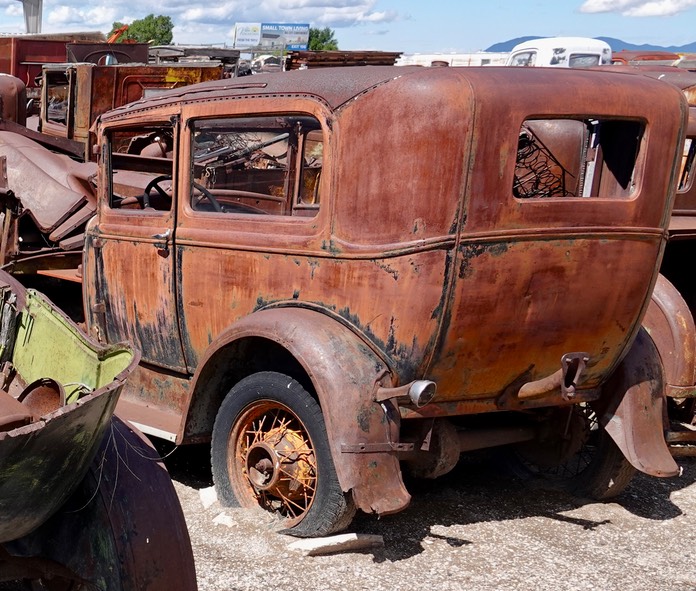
(615, 44)
(508, 45)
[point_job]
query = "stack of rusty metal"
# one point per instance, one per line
(296, 60)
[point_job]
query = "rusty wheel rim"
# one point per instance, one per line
(580, 442)
(271, 460)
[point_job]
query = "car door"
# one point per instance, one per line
(129, 256)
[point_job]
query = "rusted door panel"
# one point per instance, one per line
(135, 293)
(231, 278)
(544, 291)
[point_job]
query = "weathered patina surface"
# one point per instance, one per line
(376, 237)
(68, 387)
(84, 501)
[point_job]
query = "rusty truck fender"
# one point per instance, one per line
(671, 327)
(633, 415)
(345, 374)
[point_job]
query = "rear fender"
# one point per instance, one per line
(670, 325)
(345, 374)
(632, 409)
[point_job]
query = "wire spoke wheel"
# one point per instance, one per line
(574, 452)
(270, 450)
(567, 449)
(272, 459)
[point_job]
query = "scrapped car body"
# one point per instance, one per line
(55, 407)
(335, 273)
(670, 316)
(46, 198)
(58, 467)
(627, 57)
(73, 95)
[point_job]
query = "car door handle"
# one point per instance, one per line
(163, 236)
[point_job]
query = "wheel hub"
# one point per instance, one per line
(281, 464)
(263, 466)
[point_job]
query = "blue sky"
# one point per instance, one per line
(408, 26)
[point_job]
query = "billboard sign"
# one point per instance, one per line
(291, 36)
(247, 35)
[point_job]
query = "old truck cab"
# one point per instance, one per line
(337, 274)
(73, 95)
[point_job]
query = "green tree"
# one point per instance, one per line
(151, 29)
(322, 39)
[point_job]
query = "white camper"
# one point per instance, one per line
(561, 52)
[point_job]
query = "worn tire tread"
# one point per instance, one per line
(332, 509)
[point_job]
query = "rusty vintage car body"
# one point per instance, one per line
(336, 273)
(69, 517)
(628, 57)
(670, 316)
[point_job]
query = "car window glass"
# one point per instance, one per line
(686, 175)
(527, 58)
(140, 165)
(265, 165)
(580, 60)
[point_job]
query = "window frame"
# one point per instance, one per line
(293, 173)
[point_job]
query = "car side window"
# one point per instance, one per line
(561, 158)
(140, 165)
(265, 165)
(688, 166)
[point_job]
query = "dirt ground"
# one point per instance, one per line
(477, 528)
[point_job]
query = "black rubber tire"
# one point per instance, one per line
(330, 509)
(608, 474)
(599, 471)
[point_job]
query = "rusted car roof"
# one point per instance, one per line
(685, 80)
(336, 86)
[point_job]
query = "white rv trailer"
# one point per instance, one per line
(561, 52)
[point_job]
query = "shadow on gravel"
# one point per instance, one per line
(480, 489)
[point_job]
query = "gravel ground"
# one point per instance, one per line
(477, 528)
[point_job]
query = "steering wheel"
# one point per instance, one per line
(154, 184)
(208, 195)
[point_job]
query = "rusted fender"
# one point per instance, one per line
(632, 408)
(671, 327)
(49, 186)
(13, 99)
(122, 530)
(345, 373)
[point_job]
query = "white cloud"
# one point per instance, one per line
(82, 18)
(14, 9)
(196, 21)
(638, 7)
